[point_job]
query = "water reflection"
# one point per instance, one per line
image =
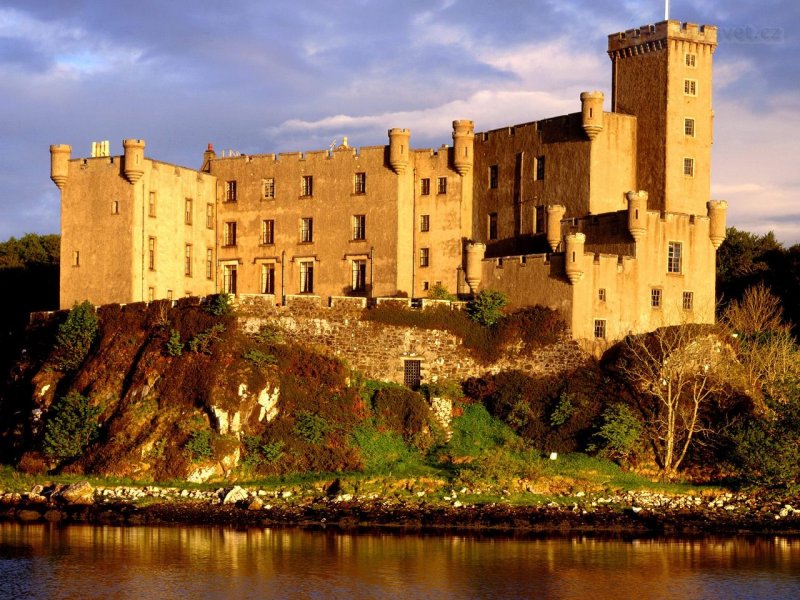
(46, 561)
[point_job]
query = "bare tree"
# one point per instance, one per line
(676, 373)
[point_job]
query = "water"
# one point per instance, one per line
(47, 561)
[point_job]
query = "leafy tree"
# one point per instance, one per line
(76, 335)
(439, 292)
(71, 427)
(620, 434)
(487, 307)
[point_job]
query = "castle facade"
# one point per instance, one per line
(603, 215)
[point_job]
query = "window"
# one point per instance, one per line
(151, 253)
(601, 294)
(690, 87)
(492, 225)
(600, 329)
(169, 295)
(688, 167)
(229, 235)
(209, 263)
(306, 230)
(359, 227)
(115, 207)
(688, 127)
(540, 219)
(76, 258)
(424, 222)
(539, 168)
(151, 294)
(426, 286)
(674, 257)
(425, 186)
(360, 183)
(229, 279)
(424, 257)
(269, 188)
(187, 260)
(307, 186)
(267, 279)
(307, 277)
(210, 216)
(493, 177)
(230, 191)
(655, 298)
(412, 373)
(688, 300)
(187, 211)
(359, 276)
(267, 231)
(151, 205)
(441, 184)
(691, 60)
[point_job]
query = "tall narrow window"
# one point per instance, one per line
(268, 232)
(688, 167)
(655, 298)
(229, 235)
(209, 263)
(151, 294)
(492, 225)
(230, 191)
(691, 60)
(424, 257)
(229, 279)
(424, 222)
(269, 188)
(307, 186)
(688, 300)
(540, 219)
(187, 211)
(115, 207)
(267, 278)
(600, 329)
(674, 257)
(441, 184)
(493, 177)
(690, 87)
(187, 260)
(307, 277)
(601, 294)
(76, 258)
(359, 227)
(210, 216)
(151, 253)
(359, 276)
(360, 183)
(412, 373)
(425, 186)
(306, 230)
(151, 205)
(688, 127)
(540, 168)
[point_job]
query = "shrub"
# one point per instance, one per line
(259, 358)
(174, 344)
(76, 336)
(407, 413)
(444, 388)
(219, 305)
(438, 292)
(199, 445)
(487, 307)
(269, 335)
(310, 427)
(380, 450)
(620, 435)
(476, 432)
(71, 426)
(563, 410)
(202, 342)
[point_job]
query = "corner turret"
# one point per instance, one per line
(59, 164)
(463, 146)
(398, 149)
(637, 213)
(574, 256)
(475, 253)
(134, 159)
(554, 215)
(718, 213)
(592, 113)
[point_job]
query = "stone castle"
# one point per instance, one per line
(603, 215)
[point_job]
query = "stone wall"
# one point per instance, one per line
(380, 351)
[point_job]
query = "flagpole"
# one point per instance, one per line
(666, 11)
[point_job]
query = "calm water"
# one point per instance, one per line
(45, 561)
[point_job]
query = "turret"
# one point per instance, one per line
(59, 164)
(208, 156)
(717, 212)
(475, 253)
(554, 215)
(637, 214)
(592, 113)
(398, 149)
(574, 256)
(134, 159)
(463, 146)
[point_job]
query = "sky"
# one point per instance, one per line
(276, 76)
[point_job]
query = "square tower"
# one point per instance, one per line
(662, 74)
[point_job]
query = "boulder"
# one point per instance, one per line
(236, 494)
(81, 492)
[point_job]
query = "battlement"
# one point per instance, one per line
(341, 153)
(650, 36)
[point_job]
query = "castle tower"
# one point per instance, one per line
(592, 113)
(59, 164)
(134, 159)
(574, 243)
(637, 214)
(662, 74)
(398, 149)
(463, 146)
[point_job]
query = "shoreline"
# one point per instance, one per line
(632, 513)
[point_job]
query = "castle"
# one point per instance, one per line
(602, 215)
